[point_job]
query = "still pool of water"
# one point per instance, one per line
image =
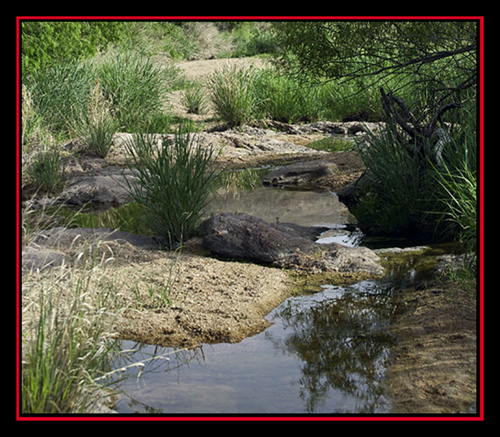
(307, 208)
(325, 352)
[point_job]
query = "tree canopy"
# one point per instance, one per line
(439, 56)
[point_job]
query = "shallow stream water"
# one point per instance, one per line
(325, 352)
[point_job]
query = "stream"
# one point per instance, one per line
(325, 351)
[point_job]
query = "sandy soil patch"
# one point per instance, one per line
(208, 300)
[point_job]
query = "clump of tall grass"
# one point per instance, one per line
(232, 94)
(60, 94)
(194, 99)
(98, 124)
(456, 175)
(67, 326)
(353, 101)
(287, 100)
(398, 199)
(422, 191)
(134, 85)
(122, 89)
(460, 202)
(243, 95)
(45, 168)
(173, 184)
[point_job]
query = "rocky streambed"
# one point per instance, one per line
(222, 284)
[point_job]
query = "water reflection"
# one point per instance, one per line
(307, 208)
(324, 353)
(340, 338)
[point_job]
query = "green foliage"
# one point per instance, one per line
(252, 38)
(398, 199)
(232, 94)
(435, 58)
(284, 99)
(61, 93)
(240, 96)
(134, 85)
(44, 43)
(457, 178)
(173, 185)
(45, 170)
(353, 100)
(411, 192)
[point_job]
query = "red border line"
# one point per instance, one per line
(480, 417)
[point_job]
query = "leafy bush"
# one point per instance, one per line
(174, 181)
(45, 43)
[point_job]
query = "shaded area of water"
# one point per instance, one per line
(325, 352)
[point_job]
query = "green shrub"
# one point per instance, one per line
(252, 38)
(61, 94)
(134, 85)
(232, 94)
(45, 43)
(283, 99)
(174, 183)
(45, 170)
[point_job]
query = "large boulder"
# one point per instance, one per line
(300, 173)
(240, 236)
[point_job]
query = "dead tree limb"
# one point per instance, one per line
(400, 119)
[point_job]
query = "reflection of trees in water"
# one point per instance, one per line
(342, 344)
